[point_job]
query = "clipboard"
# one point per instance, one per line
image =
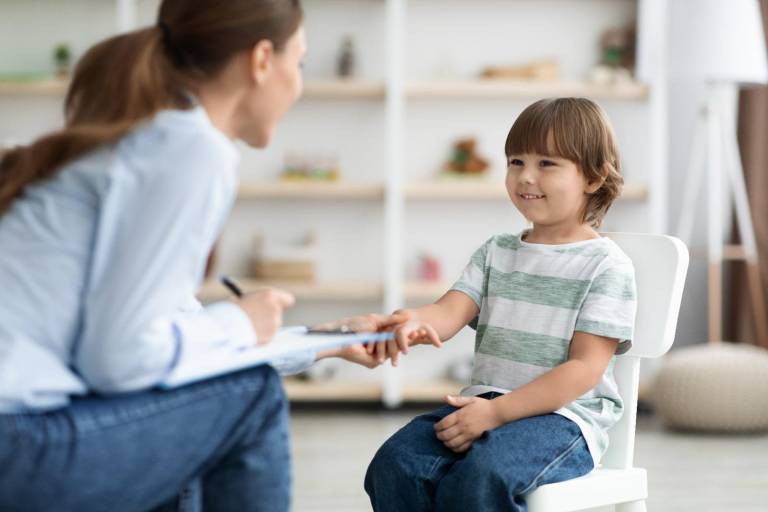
(288, 341)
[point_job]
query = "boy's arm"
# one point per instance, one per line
(588, 358)
(448, 315)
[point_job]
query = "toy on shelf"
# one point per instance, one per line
(345, 62)
(285, 260)
(318, 167)
(429, 268)
(465, 160)
(617, 57)
(62, 59)
(545, 69)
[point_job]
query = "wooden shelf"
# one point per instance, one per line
(424, 290)
(468, 189)
(329, 291)
(350, 391)
(343, 89)
(523, 89)
(359, 89)
(315, 89)
(487, 189)
(310, 190)
(43, 87)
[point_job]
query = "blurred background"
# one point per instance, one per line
(388, 174)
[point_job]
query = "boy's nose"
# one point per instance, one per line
(526, 176)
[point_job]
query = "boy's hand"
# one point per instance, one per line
(407, 332)
(461, 428)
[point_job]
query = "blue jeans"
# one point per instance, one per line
(414, 471)
(221, 444)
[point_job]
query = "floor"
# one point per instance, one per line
(686, 472)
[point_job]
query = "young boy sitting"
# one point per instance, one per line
(552, 306)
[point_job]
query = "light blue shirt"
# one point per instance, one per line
(100, 264)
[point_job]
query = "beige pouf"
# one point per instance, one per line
(719, 387)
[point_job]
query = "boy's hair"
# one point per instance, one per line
(579, 130)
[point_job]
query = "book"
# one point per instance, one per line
(288, 341)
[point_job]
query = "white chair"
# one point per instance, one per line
(661, 263)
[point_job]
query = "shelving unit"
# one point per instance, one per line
(328, 291)
(381, 122)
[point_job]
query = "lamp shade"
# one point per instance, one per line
(729, 43)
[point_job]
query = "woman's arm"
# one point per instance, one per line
(160, 213)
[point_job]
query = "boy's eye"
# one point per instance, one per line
(515, 162)
(547, 163)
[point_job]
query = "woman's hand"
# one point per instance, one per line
(265, 309)
(474, 416)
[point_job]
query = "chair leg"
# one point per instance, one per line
(631, 506)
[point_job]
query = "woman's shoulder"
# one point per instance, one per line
(179, 138)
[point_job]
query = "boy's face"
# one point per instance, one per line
(548, 190)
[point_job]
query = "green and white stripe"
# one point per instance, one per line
(532, 297)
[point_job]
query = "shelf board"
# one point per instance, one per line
(310, 190)
(41, 87)
(317, 89)
(362, 391)
(213, 290)
(424, 290)
(413, 290)
(469, 189)
(481, 189)
(523, 89)
(344, 89)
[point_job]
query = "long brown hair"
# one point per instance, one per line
(577, 129)
(126, 79)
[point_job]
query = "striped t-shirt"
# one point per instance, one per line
(532, 297)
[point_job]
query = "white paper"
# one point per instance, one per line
(287, 341)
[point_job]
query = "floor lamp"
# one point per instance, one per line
(731, 53)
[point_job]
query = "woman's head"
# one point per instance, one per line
(247, 52)
(566, 144)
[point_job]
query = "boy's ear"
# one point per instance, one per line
(594, 186)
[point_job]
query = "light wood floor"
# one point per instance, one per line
(686, 472)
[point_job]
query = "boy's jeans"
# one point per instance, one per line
(224, 441)
(414, 471)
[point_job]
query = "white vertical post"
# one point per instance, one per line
(394, 202)
(126, 17)
(715, 207)
(653, 27)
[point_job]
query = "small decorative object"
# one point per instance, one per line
(546, 69)
(62, 58)
(345, 63)
(320, 167)
(617, 57)
(285, 261)
(429, 268)
(720, 387)
(465, 160)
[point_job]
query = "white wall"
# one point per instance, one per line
(685, 90)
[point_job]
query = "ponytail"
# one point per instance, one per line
(117, 84)
(128, 78)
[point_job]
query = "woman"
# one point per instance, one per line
(104, 228)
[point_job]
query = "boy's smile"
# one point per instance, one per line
(549, 191)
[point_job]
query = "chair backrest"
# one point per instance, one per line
(661, 264)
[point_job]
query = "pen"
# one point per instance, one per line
(231, 286)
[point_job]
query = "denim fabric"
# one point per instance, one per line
(414, 471)
(220, 444)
